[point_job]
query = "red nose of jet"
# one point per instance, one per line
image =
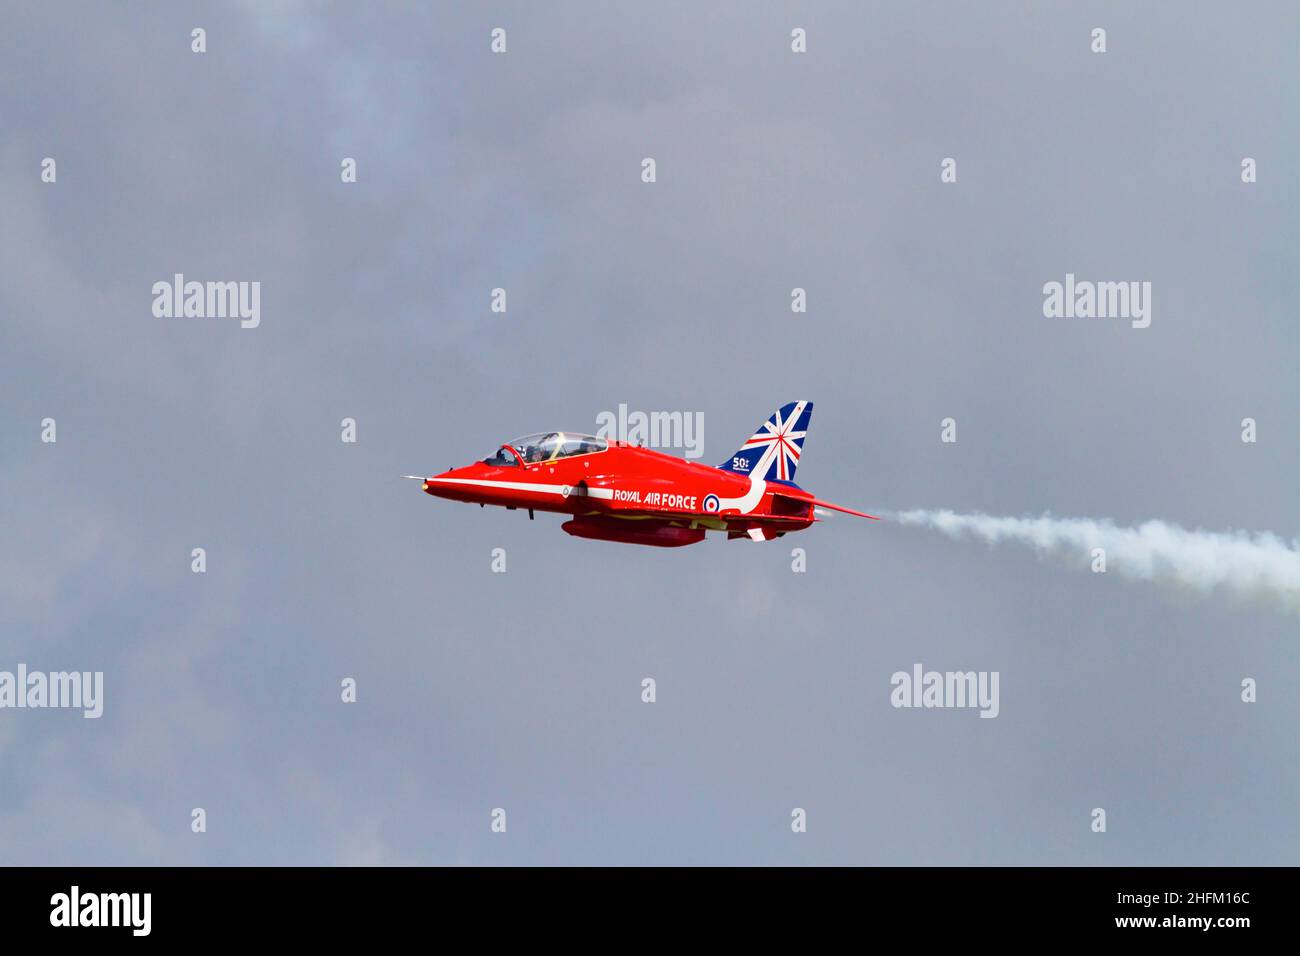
(433, 487)
(454, 483)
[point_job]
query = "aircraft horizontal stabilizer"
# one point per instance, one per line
(847, 511)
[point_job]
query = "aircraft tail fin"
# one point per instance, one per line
(772, 453)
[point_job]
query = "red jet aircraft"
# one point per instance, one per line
(621, 492)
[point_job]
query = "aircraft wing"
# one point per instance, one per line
(791, 515)
(685, 517)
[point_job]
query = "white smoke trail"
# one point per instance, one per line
(1260, 567)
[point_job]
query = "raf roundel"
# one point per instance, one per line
(711, 504)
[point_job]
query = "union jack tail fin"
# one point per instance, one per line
(772, 453)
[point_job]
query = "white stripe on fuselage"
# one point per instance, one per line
(745, 504)
(749, 501)
(508, 485)
(524, 486)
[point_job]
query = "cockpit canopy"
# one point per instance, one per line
(547, 446)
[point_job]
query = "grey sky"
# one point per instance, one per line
(522, 690)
